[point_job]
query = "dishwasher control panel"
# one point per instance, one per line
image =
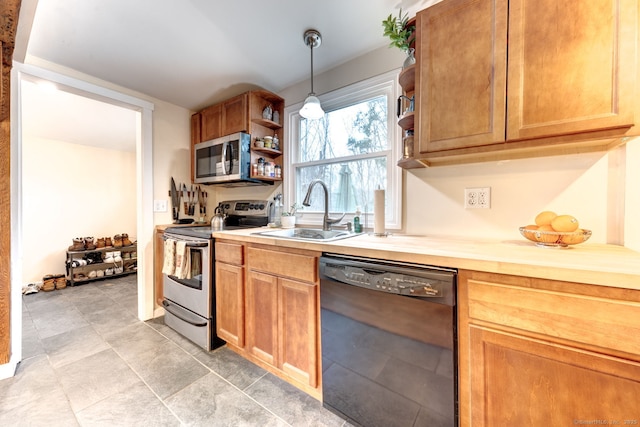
(394, 279)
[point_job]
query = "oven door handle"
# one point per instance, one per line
(190, 244)
(184, 316)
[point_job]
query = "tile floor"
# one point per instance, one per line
(88, 361)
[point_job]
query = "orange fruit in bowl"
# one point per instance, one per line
(565, 223)
(545, 218)
(548, 234)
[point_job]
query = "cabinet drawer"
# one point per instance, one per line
(231, 253)
(284, 264)
(591, 319)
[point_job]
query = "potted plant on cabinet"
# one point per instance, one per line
(401, 34)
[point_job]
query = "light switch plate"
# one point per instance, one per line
(159, 205)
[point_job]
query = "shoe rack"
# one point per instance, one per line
(78, 272)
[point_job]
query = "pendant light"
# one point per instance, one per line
(311, 109)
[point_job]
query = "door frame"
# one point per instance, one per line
(144, 190)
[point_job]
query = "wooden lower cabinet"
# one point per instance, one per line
(230, 303)
(297, 320)
(267, 309)
(262, 316)
(540, 352)
(521, 381)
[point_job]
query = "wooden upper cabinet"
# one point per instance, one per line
(461, 75)
(234, 115)
(500, 79)
(223, 119)
(211, 123)
(572, 66)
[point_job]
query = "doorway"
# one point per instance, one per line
(142, 187)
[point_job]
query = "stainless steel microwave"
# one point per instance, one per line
(225, 161)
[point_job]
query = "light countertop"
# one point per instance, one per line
(591, 263)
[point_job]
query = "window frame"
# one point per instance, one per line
(383, 84)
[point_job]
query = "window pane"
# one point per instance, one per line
(350, 184)
(356, 129)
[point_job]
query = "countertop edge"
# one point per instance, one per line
(521, 259)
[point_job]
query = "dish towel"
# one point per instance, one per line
(169, 265)
(183, 261)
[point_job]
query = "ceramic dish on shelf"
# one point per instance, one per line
(555, 239)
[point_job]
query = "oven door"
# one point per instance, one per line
(195, 292)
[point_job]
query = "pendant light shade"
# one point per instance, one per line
(311, 109)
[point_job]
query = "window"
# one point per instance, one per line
(353, 149)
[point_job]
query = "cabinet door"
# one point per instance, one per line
(230, 303)
(211, 122)
(461, 74)
(525, 382)
(298, 331)
(262, 316)
(572, 66)
(234, 115)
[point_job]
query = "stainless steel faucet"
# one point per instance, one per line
(326, 223)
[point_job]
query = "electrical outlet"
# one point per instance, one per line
(159, 205)
(477, 198)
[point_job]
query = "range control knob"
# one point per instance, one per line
(261, 207)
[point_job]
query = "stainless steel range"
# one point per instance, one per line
(189, 301)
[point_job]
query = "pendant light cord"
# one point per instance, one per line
(311, 47)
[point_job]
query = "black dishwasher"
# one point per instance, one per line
(389, 344)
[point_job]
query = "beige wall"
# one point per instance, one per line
(72, 190)
(587, 186)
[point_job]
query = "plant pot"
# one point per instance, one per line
(288, 221)
(410, 59)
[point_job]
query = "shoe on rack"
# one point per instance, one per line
(99, 273)
(78, 244)
(108, 272)
(61, 281)
(100, 243)
(107, 242)
(48, 283)
(117, 241)
(126, 255)
(125, 240)
(88, 244)
(108, 256)
(93, 274)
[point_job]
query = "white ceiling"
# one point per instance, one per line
(193, 53)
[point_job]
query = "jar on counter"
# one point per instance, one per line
(268, 141)
(254, 169)
(278, 171)
(276, 142)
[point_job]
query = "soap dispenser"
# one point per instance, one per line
(277, 210)
(357, 226)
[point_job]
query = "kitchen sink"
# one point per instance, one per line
(311, 234)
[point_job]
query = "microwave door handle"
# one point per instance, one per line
(230, 159)
(225, 145)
